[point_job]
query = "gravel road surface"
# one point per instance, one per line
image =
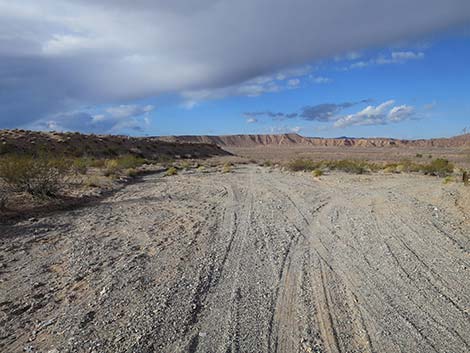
(256, 260)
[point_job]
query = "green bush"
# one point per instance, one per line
(81, 165)
(439, 167)
(129, 161)
(302, 165)
(171, 171)
(317, 173)
(41, 176)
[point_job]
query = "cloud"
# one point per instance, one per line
(381, 114)
(251, 120)
(326, 111)
(58, 55)
(127, 111)
(293, 83)
(273, 115)
(255, 87)
(398, 57)
(114, 119)
(321, 112)
(321, 80)
(284, 129)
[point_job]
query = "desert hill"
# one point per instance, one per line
(245, 141)
(77, 144)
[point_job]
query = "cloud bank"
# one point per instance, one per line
(60, 55)
(382, 114)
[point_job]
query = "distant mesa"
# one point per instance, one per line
(292, 139)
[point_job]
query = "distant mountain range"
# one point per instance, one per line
(246, 141)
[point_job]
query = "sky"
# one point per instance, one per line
(329, 68)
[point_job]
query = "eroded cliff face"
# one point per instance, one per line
(296, 139)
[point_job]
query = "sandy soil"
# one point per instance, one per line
(257, 260)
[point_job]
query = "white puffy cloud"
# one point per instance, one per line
(400, 113)
(61, 55)
(381, 114)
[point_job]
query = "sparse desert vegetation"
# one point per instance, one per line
(267, 209)
(438, 167)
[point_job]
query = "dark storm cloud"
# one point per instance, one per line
(59, 55)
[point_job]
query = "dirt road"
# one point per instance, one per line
(257, 260)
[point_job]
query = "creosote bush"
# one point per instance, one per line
(41, 176)
(171, 171)
(439, 167)
(317, 173)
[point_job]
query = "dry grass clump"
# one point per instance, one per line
(317, 173)
(41, 176)
(122, 164)
(227, 167)
(171, 171)
(448, 179)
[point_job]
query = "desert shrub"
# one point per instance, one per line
(201, 168)
(302, 165)
(351, 166)
(268, 164)
(465, 178)
(317, 173)
(171, 171)
(408, 166)
(419, 155)
(41, 176)
(227, 168)
(448, 179)
(129, 161)
(98, 163)
(5, 148)
(439, 167)
(430, 156)
(131, 172)
(81, 165)
(111, 166)
(185, 165)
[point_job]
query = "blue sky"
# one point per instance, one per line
(436, 85)
(337, 68)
